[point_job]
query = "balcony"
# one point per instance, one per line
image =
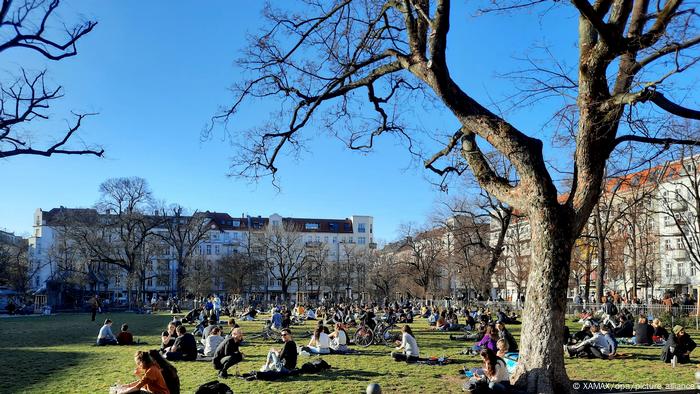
(676, 279)
(679, 254)
(679, 206)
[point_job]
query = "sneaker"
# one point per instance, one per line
(223, 374)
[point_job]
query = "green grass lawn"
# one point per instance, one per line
(54, 354)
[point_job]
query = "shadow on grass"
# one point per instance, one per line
(335, 374)
(24, 369)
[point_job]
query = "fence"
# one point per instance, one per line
(652, 311)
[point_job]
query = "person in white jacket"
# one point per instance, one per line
(408, 349)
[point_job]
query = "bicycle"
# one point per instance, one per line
(364, 336)
(267, 333)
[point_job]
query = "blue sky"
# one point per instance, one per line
(156, 71)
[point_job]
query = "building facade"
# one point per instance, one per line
(218, 239)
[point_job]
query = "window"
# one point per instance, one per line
(235, 235)
(236, 223)
(275, 223)
(216, 250)
(346, 227)
(117, 280)
(215, 236)
(149, 282)
(668, 221)
(693, 271)
(679, 243)
(361, 228)
(325, 239)
(335, 239)
(668, 269)
(311, 226)
(201, 249)
(318, 238)
(352, 240)
(333, 226)
(208, 250)
(361, 240)
(681, 269)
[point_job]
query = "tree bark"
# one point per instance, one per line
(600, 237)
(541, 365)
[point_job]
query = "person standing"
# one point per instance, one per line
(94, 305)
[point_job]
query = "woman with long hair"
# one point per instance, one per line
(408, 349)
(495, 371)
(169, 372)
(149, 374)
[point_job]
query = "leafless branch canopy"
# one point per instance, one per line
(26, 25)
(353, 64)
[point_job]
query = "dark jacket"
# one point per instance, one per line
(625, 330)
(289, 355)
(229, 347)
(508, 337)
(187, 345)
(677, 346)
(643, 333)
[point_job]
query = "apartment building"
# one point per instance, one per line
(654, 240)
(223, 235)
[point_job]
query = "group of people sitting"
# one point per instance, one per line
(107, 337)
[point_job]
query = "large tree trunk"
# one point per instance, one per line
(541, 364)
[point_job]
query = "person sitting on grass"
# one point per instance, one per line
(504, 334)
(679, 344)
(502, 346)
(495, 371)
(407, 350)
(276, 320)
(310, 314)
(441, 324)
(488, 341)
(643, 332)
(213, 340)
(597, 346)
(150, 377)
(168, 337)
(624, 329)
(169, 372)
(125, 337)
(231, 326)
(184, 348)
(228, 353)
(319, 343)
(283, 361)
(207, 330)
(106, 337)
(660, 335)
(339, 339)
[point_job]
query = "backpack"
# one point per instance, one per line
(214, 387)
(314, 366)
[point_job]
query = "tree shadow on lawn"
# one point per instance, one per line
(335, 374)
(23, 368)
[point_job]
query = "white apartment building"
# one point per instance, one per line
(671, 223)
(226, 236)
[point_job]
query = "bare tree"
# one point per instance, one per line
(25, 100)
(479, 229)
(199, 277)
(317, 259)
(424, 257)
(285, 254)
(384, 52)
(183, 233)
(384, 274)
(119, 235)
(240, 274)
